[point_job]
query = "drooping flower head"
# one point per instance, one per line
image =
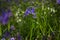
(30, 10)
(27, 12)
(5, 16)
(4, 19)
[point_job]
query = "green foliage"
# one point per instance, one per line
(47, 20)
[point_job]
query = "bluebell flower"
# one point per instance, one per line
(5, 21)
(58, 1)
(12, 27)
(12, 38)
(6, 34)
(18, 36)
(5, 17)
(30, 11)
(3, 39)
(27, 12)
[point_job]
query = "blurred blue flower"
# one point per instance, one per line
(58, 1)
(27, 12)
(30, 11)
(18, 36)
(6, 34)
(5, 17)
(12, 38)
(5, 21)
(3, 39)
(12, 27)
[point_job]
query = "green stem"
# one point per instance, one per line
(8, 26)
(50, 28)
(32, 26)
(31, 34)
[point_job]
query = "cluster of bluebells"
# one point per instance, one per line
(7, 34)
(30, 10)
(4, 17)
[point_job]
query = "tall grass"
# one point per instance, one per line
(44, 27)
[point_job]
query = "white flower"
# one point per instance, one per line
(48, 8)
(54, 10)
(19, 20)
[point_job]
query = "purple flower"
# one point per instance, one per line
(12, 27)
(5, 17)
(6, 34)
(12, 38)
(5, 21)
(18, 36)
(58, 1)
(30, 11)
(27, 12)
(3, 39)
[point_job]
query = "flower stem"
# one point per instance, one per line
(8, 26)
